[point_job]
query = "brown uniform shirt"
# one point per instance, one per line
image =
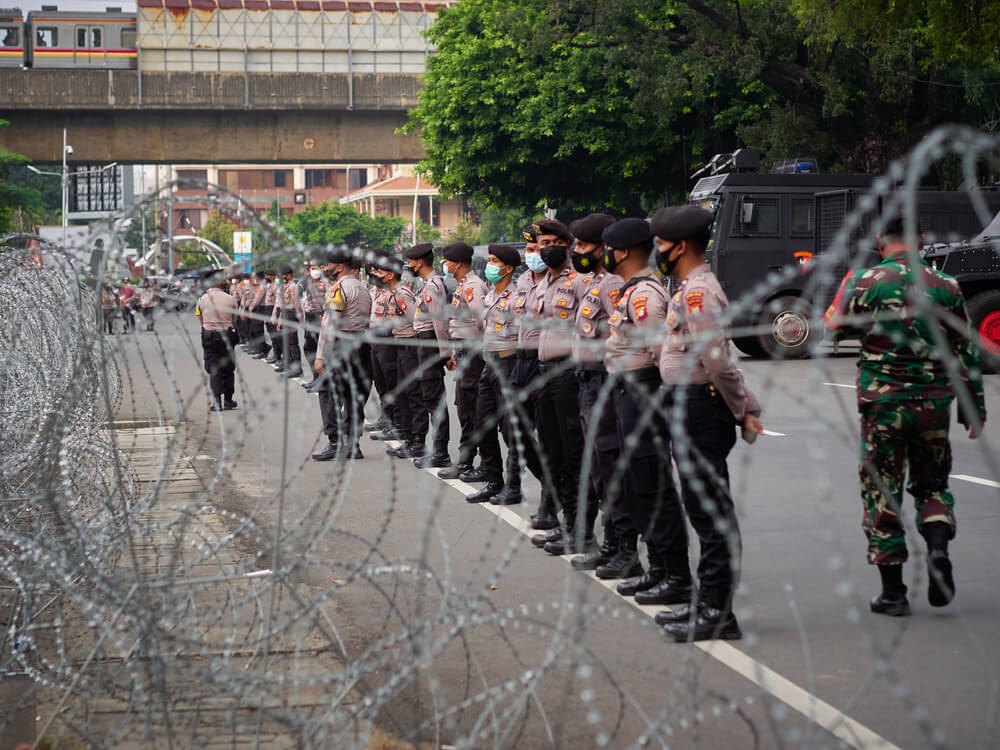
(500, 321)
(270, 294)
(557, 301)
(216, 309)
(348, 310)
(287, 301)
(636, 325)
(431, 312)
(401, 304)
(697, 350)
(596, 309)
(467, 308)
(525, 305)
(316, 295)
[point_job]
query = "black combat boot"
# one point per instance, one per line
(493, 487)
(540, 540)
(327, 454)
(674, 589)
(655, 575)
(892, 601)
(625, 563)
(940, 580)
(509, 495)
(710, 619)
(454, 471)
(599, 556)
(473, 476)
(432, 461)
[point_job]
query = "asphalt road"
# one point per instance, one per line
(458, 627)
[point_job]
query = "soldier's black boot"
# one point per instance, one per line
(710, 619)
(509, 495)
(327, 454)
(652, 577)
(493, 486)
(454, 471)
(546, 518)
(540, 540)
(574, 541)
(675, 588)
(892, 601)
(940, 580)
(599, 556)
(625, 563)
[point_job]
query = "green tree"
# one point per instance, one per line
(15, 199)
(219, 229)
(339, 223)
(465, 231)
(495, 224)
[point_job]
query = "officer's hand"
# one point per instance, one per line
(975, 429)
(318, 366)
(278, 327)
(451, 364)
(752, 424)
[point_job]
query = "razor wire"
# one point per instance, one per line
(175, 578)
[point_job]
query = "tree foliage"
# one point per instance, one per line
(590, 105)
(12, 196)
(338, 223)
(219, 229)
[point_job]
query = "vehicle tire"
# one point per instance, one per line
(984, 315)
(786, 328)
(750, 345)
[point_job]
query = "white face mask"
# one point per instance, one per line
(316, 273)
(246, 284)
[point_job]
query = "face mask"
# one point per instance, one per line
(246, 284)
(407, 276)
(554, 255)
(534, 262)
(493, 273)
(583, 263)
(333, 272)
(664, 263)
(609, 260)
(316, 273)
(447, 271)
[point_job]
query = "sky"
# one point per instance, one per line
(128, 6)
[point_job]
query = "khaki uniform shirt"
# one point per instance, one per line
(287, 301)
(316, 295)
(348, 310)
(216, 309)
(697, 350)
(500, 321)
(432, 306)
(596, 309)
(636, 325)
(556, 304)
(401, 304)
(525, 303)
(467, 308)
(260, 292)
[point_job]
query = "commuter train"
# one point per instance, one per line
(52, 38)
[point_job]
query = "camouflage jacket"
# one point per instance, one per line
(901, 320)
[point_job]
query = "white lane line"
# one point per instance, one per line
(841, 385)
(976, 480)
(847, 730)
(770, 433)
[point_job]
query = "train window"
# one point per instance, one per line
(128, 38)
(47, 37)
(81, 37)
(96, 39)
(11, 35)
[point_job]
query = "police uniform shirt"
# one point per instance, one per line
(288, 299)
(467, 307)
(401, 304)
(348, 310)
(258, 298)
(377, 321)
(315, 295)
(696, 350)
(432, 305)
(270, 293)
(556, 303)
(636, 326)
(500, 320)
(216, 309)
(525, 304)
(596, 309)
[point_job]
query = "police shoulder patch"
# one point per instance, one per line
(695, 300)
(469, 294)
(639, 305)
(613, 294)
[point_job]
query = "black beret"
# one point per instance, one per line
(631, 232)
(551, 226)
(389, 262)
(678, 223)
(505, 253)
(528, 233)
(458, 252)
(589, 228)
(286, 270)
(211, 274)
(260, 274)
(896, 227)
(338, 255)
(419, 251)
(269, 272)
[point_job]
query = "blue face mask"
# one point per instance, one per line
(534, 262)
(447, 271)
(493, 273)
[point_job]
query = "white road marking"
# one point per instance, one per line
(847, 730)
(976, 480)
(842, 385)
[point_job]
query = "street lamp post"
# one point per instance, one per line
(66, 149)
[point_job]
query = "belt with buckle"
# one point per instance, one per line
(502, 354)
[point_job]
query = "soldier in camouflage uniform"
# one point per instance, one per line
(911, 318)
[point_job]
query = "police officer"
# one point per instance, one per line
(216, 309)
(559, 431)
(286, 316)
(238, 293)
(256, 315)
(705, 399)
(525, 376)
(465, 329)
(344, 355)
(270, 301)
(647, 502)
(315, 293)
(401, 305)
(905, 390)
(431, 327)
(496, 400)
(383, 351)
(597, 416)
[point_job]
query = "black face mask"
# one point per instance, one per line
(584, 263)
(554, 255)
(610, 262)
(664, 263)
(332, 273)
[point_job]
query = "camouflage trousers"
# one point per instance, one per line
(895, 437)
